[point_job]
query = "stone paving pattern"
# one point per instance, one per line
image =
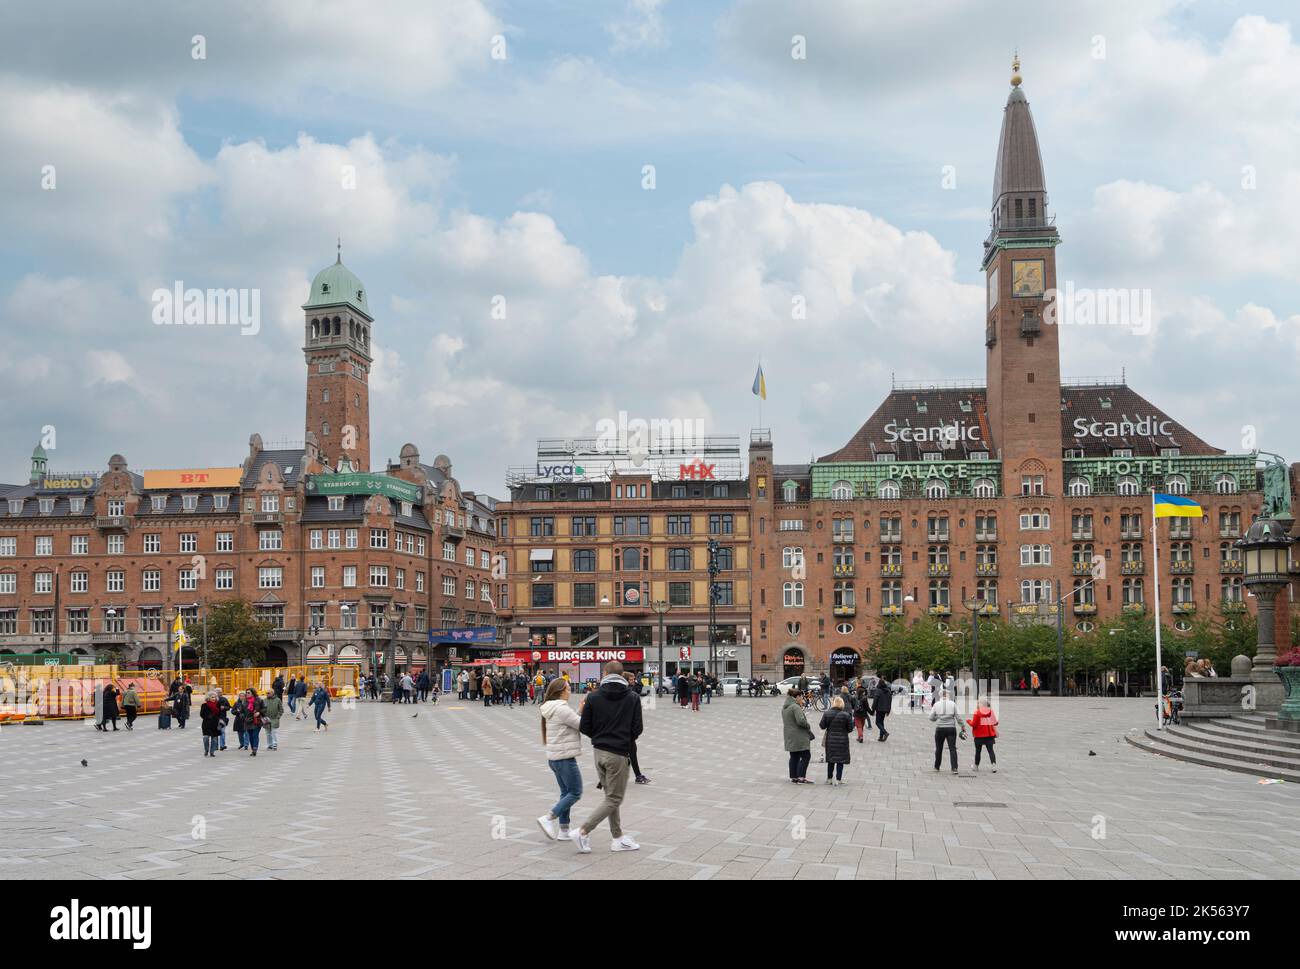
(452, 793)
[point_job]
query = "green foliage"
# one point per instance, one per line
(234, 635)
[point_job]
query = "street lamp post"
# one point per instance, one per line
(975, 605)
(1265, 557)
(714, 591)
(1060, 629)
(662, 607)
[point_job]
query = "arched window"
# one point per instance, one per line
(325, 429)
(984, 488)
(791, 556)
(1176, 484)
(1225, 484)
(1080, 488)
(631, 559)
(792, 595)
(315, 329)
(790, 491)
(841, 491)
(1127, 486)
(1231, 589)
(936, 488)
(889, 490)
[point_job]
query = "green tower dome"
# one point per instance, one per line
(337, 285)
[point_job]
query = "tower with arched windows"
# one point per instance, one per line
(336, 342)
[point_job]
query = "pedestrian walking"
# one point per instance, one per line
(238, 713)
(210, 724)
(836, 725)
(861, 710)
(223, 704)
(1034, 682)
(798, 736)
(271, 720)
(486, 687)
(254, 718)
(291, 694)
(277, 685)
(882, 701)
(562, 737)
(301, 690)
(635, 686)
(697, 690)
(984, 728)
(320, 702)
(181, 705)
(611, 718)
(131, 704)
(684, 689)
(423, 686)
(110, 708)
(947, 722)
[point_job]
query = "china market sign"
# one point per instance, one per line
(363, 484)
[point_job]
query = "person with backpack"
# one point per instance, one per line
(861, 709)
(254, 711)
(611, 717)
(836, 725)
(984, 728)
(562, 737)
(882, 701)
(797, 735)
(948, 721)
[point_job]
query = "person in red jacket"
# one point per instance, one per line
(984, 727)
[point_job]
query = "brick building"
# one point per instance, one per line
(1003, 495)
(593, 555)
(345, 564)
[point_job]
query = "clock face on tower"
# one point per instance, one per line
(1027, 277)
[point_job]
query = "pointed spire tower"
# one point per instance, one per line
(1023, 365)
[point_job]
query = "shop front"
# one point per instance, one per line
(794, 663)
(844, 664)
(582, 665)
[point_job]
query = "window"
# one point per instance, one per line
(936, 489)
(939, 594)
(984, 488)
(791, 557)
(889, 490)
(76, 506)
(1225, 484)
(189, 542)
(723, 593)
(349, 576)
(317, 539)
(44, 583)
(189, 503)
(584, 594)
(679, 593)
(1035, 555)
(842, 529)
(789, 491)
(679, 560)
(541, 526)
(841, 491)
(270, 502)
(1036, 590)
(543, 595)
(225, 579)
(630, 560)
(158, 503)
(44, 545)
(115, 581)
(792, 595)
(469, 589)
(632, 525)
(8, 583)
(584, 560)
(270, 577)
(1080, 487)
(726, 558)
(419, 581)
(1176, 484)
(46, 505)
(116, 507)
(220, 502)
(448, 585)
(151, 580)
(379, 577)
(469, 556)
(379, 538)
(1132, 592)
(189, 580)
(1035, 521)
(335, 502)
(225, 541)
(8, 547)
(582, 526)
(719, 491)
(937, 528)
(1032, 484)
(79, 582)
(78, 621)
(348, 615)
(269, 540)
(1127, 486)
(1122, 452)
(679, 524)
(116, 544)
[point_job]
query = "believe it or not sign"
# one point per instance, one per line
(586, 655)
(194, 478)
(68, 482)
(363, 484)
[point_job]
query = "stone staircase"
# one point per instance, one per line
(1238, 743)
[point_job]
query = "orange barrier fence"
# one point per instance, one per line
(71, 692)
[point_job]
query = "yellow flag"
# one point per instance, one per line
(179, 639)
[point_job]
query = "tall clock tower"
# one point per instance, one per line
(1024, 363)
(337, 347)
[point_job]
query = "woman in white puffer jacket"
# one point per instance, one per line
(563, 742)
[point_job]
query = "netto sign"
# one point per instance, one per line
(60, 482)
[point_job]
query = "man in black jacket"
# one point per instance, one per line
(611, 717)
(882, 699)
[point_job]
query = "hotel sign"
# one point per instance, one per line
(194, 478)
(363, 484)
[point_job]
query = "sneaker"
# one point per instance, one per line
(954, 770)
(643, 779)
(548, 826)
(995, 770)
(624, 844)
(581, 840)
(830, 782)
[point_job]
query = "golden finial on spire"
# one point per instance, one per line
(1015, 70)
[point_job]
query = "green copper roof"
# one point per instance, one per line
(335, 285)
(39, 452)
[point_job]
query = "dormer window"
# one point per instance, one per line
(1105, 403)
(324, 287)
(922, 407)
(965, 406)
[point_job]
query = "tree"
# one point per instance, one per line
(235, 635)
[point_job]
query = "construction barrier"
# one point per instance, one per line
(71, 692)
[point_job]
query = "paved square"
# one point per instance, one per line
(452, 793)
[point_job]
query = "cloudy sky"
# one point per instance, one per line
(500, 150)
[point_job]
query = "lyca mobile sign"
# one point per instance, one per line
(939, 433)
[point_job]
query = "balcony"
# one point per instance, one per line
(1085, 608)
(1232, 607)
(113, 523)
(1230, 566)
(108, 639)
(1130, 533)
(1133, 608)
(938, 570)
(891, 569)
(1184, 608)
(1232, 531)
(986, 536)
(845, 569)
(452, 533)
(842, 538)
(939, 537)
(890, 538)
(986, 568)
(941, 610)
(988, 609)
(1081, 535)
(848, 610)
(1182, 567)
(891, 610)
(1081, 568)
(1132, 567)
(268, 518)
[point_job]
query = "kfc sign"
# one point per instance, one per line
(697, 470)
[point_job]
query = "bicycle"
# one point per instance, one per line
(818, 701)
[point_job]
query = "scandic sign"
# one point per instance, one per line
(194, 478)
(580, 655)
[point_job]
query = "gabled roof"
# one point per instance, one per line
(290, 462)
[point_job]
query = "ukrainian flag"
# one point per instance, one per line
(1175, 506)
(760, 385)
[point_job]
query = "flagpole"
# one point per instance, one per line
(1155, 553)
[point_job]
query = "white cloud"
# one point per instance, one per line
(640, 27)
